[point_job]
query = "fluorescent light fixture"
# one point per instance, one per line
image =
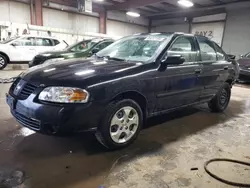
(133, 14)
(186, 3)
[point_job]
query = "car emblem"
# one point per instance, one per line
(18, 88)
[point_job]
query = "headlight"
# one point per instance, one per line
(64, 95)
(53, 60)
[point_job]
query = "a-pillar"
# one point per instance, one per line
(103, 21)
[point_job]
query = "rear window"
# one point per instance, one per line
(56, 42)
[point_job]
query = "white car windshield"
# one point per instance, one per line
(9, 40)
(135, 48)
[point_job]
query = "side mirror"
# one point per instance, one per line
(13, 44)
(230, 56)
(173, 60)
(95, 50)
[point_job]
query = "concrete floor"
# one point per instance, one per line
(162, 156)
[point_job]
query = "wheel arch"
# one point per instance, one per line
(4, 54)
(136, 96)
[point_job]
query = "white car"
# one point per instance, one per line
(26, 47)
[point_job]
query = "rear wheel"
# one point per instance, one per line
(3, 62)
(221, 100)
(121, 124)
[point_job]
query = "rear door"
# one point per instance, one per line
(178, 85)
(43, 45)
(215, 67)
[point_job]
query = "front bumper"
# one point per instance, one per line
(53, 119)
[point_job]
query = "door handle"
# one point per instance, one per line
(226, 68)
(197, 71)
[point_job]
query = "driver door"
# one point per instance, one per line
(23, 49)
(178, 85)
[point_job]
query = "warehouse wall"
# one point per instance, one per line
(172, 28)
(14, 12)
(116, 28)
(237, 32)
(66, 20)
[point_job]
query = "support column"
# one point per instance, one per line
(103, 21)
(32, 15)
(39, 12)
(150, 26)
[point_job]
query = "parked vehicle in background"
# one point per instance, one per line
(116, 90)
(24, 48)
(244, 64)
(81, 49)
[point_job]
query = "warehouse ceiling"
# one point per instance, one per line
(159, 9)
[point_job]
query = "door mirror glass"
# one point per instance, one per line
(13, 44)
(173, 60)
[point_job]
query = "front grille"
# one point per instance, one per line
(27, 90)
(24, 91)
(27, 122)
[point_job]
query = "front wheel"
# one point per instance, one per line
(221, 100)
(121, 124)
(3, 62)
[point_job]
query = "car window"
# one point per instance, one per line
(207, 50)
(56, 42)
(220, 53)
(184, 46)
(82, 46)
(25, 41)
(43, 42)
(103, 45)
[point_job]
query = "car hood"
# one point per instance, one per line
(61, 53)
(78, 72)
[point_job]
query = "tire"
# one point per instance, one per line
(3, 61)
(107, 125)
(221, 100)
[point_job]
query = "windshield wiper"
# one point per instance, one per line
(111, 58)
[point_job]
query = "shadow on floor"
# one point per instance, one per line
(64, 162)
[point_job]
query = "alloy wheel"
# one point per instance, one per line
(124, 124)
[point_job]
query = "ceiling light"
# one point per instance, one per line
(133, 14)
(186, 3)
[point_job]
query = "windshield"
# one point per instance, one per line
(9, 40)
(135, 48)
(82, 46)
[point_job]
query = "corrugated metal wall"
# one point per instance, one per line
(65, 20)
(14, 12)
(237, 32)
(116, 28)
(172, 28)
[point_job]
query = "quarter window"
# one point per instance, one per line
(207, 50)
(184, 46)
(220, 53)
(56, 42)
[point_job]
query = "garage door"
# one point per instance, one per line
(214, 31)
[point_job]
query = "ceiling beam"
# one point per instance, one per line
(148, 12)
(189, 13)
(155, 8)
(218, 1)
(169, 5)
(129, 4)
